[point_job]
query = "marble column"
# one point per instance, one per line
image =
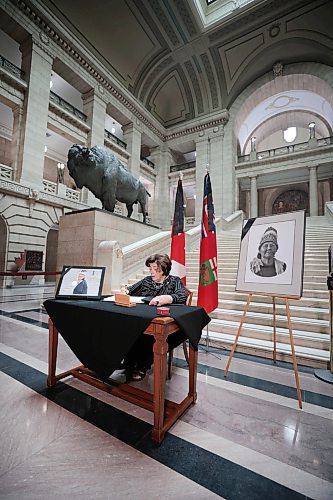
(254, 197)
(202, 163)
(313, 190)
(220, 176)
(236, 194)
(94, 106)
(132, 137)
(37, 66)
(162, 210)
(16, 142)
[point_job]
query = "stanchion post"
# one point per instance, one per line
(207, 339)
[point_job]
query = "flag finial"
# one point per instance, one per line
(208, 156)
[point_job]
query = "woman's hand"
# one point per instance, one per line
(161, 300)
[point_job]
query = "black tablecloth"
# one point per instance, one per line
(101, 333)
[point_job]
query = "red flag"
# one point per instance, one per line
(177, 254)
(208, 285)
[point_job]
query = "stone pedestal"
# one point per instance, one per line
(95, 237)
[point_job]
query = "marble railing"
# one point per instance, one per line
(285, 150)
(72, 194)
(329, 210)
(6, 172)
(49, 187)
(182, 166)
(127, 264)
(56, 99)
(61, 190)
(115, 139)
(4, 63)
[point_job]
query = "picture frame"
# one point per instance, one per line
(271, 258)
(81, 282)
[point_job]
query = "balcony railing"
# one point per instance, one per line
(115, 139)
(14, 70)
(284, 150)
(147, 162)
(6, 172)
(73, 195)
(182, 166)
(67, 106)
(49, 187)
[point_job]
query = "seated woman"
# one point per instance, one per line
(164, 289)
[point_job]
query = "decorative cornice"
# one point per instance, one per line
(50, 33)
(47, 34)
(222, 120)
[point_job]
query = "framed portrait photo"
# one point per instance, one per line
(80, 282)
(271, 258)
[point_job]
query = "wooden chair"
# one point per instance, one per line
(189, 295)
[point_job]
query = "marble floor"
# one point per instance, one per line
(245, 438)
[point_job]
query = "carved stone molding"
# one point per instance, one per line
(217, 125)
(274, 30)
(277, 69)
(44, 38)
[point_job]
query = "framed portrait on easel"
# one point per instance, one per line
(271, 258)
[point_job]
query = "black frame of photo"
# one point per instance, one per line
(275, 286)
(67, 275)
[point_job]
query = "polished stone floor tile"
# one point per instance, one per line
(244, 438)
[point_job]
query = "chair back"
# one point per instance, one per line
(189, 296)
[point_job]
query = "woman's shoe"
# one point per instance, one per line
(138, 375)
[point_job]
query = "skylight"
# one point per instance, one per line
(213, 12)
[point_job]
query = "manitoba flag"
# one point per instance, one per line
(208, 285)
(177, 254)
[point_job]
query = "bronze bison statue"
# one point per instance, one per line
(106, 177)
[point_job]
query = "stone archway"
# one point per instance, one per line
(290, 201)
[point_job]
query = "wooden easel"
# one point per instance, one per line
(292, 345)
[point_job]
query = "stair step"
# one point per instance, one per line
(309, 315)
(301, 337)
(266, 319)
(267, 345)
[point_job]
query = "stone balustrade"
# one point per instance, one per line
(6, 172)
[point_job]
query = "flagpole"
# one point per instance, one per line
(207, 172)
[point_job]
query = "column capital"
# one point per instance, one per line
(131, 127)
(38, 44)
(95, 94)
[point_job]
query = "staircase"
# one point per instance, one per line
(309, 315)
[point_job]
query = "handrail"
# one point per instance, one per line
(29, 273)
(283, 150)
(182, 166)
(4, 63)
(67, 106)
(329, 210)
(115, 139)
(147, 162)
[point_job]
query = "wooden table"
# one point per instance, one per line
(165, 412)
